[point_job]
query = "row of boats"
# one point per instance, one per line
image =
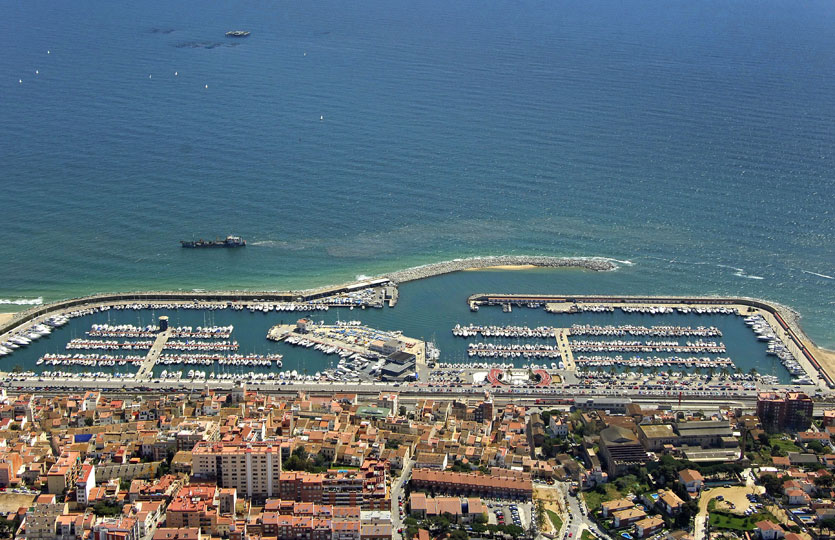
(494, 350)
(241, 360)
(698, 347)
(507, 331)
(777, 348)
(34, 332)
(111, 345)
(685, 310)
(704, 362)
(131, 331)
(110, 360)
(299, 341)
(654, 310)
(510, 331)
(651, 331)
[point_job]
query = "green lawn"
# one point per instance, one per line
(737, 523)
(595, 499)
(587, 536)
(787, 446)
(555, 519)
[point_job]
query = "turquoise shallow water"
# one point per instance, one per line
(694, 140)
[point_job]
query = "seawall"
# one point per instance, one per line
(597, 264)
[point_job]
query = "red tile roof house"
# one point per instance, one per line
(693, 480)
(648, 526)
(610, 507)
(628, 517)
(797, 497)
(768, 530)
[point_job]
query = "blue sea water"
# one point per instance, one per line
(693, 139)
(427, 309)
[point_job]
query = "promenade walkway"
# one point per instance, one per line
(564, 347)
(146, 370)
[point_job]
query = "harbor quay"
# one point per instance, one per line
(657, 348)
(782, 321)
(365, 352)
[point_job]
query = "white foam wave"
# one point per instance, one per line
(23, 301)
(362, 277)
(816, 274)
(741, 273)
(625, 263)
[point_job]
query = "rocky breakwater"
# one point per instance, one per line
(474, 263)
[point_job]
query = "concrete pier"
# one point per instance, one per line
(146, 370)
(561, 335)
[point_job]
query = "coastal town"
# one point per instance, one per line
(565, 417)
(245, 465)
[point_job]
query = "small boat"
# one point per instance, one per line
(237, 33)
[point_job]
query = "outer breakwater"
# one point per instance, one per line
(474, 263)
(410, 274)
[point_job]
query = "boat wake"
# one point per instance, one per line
(740, 272)
(22, 301)
(625, 263)
(824, 276)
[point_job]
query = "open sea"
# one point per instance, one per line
(693, 141)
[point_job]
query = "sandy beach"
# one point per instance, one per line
(6, 317)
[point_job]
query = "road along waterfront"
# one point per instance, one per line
(251, 314)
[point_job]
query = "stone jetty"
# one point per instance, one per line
(474, 263)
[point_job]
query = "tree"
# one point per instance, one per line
(773, 485)
(686, 515)
(460, 466)
(816, 447)
(824, 481)
(103, 509)
(776, 451)
(88, 421)
(828, 524)
(540, 513)
(458, 534)
(764, 440)
(402, 410)
(8, 527)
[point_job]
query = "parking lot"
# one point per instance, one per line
(503, 512)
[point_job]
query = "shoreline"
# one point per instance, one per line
(10, 320)
(504, 262)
